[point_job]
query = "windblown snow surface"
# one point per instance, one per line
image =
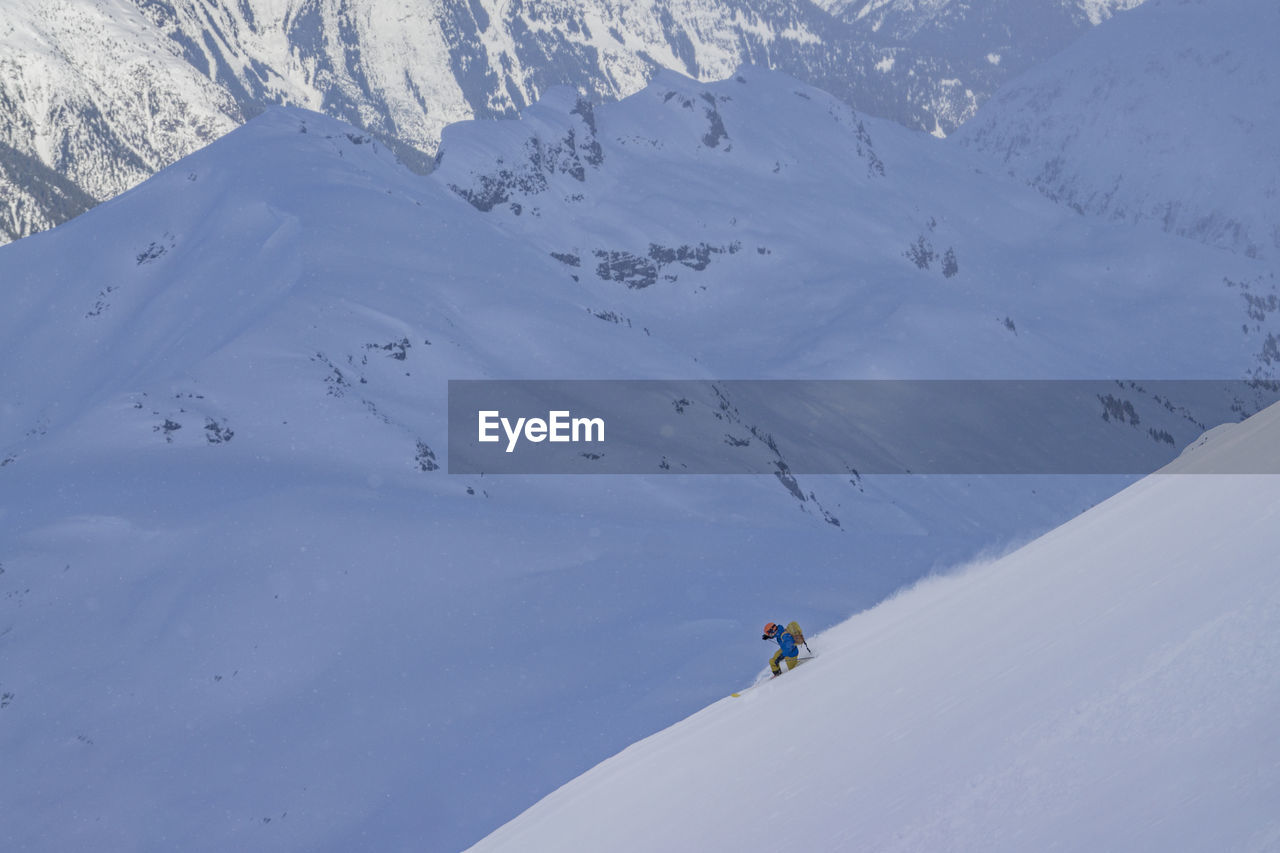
(1110, 686)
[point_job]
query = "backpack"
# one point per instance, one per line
(793, 628)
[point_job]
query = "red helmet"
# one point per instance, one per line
(770, 630)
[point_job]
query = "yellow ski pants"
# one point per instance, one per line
(776, 660)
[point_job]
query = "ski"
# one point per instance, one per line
(799, 661)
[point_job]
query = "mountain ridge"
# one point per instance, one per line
(107, 92)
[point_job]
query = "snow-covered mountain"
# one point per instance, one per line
(1168, 115)
(1109, 686)
(93, 101)
(953, 55)
(243, 605)
(102, 93)
(106, 92)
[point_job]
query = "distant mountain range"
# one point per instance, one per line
(97, 95)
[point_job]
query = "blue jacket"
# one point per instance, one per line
(788, 644)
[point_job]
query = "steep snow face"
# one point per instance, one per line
(1167, 115)
(1111, 684)
(244, 606)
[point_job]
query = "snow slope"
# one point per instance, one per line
(1112, 685)
(243, 605)
(1166, 115)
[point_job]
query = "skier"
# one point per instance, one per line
(787, 649)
